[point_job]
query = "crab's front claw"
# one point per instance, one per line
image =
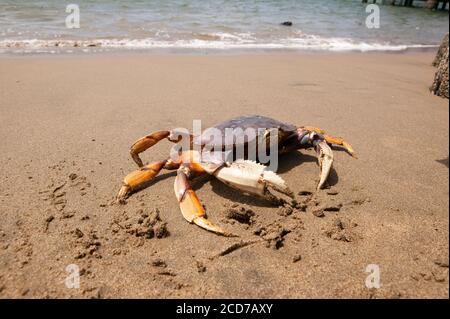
(325, 157)
(332, 140)
(254, 178)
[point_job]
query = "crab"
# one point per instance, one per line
(239, 171)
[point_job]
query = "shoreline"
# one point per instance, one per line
(212, 52)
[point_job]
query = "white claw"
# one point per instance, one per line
(252, 178)
(325, 162)
(276, 182)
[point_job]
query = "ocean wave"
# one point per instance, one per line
(213, 41)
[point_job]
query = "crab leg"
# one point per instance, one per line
(148, 141)
(143, 175)
(253, 178)
(190, 206)
(144, 143)
(332, 139)
(340, 141)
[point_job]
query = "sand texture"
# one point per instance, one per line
(66, 127)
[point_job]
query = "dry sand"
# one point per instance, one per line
(66, 127)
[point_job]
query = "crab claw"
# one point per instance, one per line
(325, 157)
(253, 178)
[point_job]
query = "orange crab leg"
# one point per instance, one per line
(190, 205)
(313, 129)
(332, 139)
(148, 141)
(340, 141)
(143, 175)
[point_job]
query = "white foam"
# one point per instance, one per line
(221, 41)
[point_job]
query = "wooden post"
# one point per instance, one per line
(432, 4)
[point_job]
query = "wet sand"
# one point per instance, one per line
(66, 127)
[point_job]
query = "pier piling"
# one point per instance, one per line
(430, 4)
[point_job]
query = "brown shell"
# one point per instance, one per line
(246, 122)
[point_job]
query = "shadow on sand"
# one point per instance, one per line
(443, 161)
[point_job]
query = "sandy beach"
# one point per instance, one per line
(67, 123)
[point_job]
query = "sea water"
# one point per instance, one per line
(33, 26)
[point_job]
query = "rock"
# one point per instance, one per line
(440, 83)
(296, 258)
(441, 51)
(287, 23)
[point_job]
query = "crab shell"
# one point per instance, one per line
(246, 130)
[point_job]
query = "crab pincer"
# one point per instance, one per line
(254, 178)
(325, 158)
